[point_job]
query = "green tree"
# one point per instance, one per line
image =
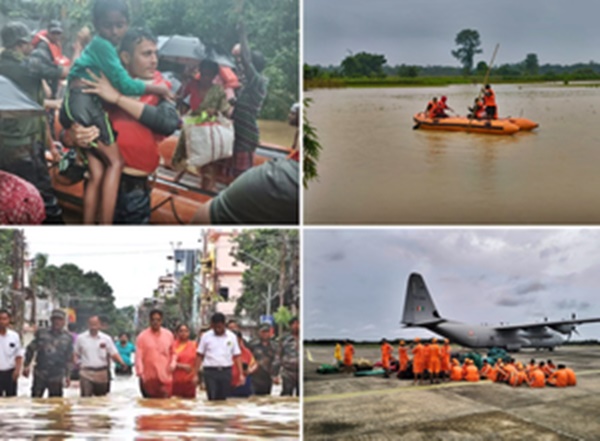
(311, 147)
(408, 71)
(481, 68)
(364, 64)
(272, 256)
(468, 42)
(531, 64)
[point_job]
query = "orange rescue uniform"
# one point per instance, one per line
(558, 378)
(403, 358)
(348, 354)
(446, 358)
(386, 355)
(472, 373)
(418, 362)
(456, 373)
(571, 377)
(537, 378)
(435, 363)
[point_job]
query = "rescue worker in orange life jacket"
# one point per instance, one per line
(489, 101)
(431, 110)
(478, 109)
(441, 108)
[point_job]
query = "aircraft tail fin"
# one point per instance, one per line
(419, 309)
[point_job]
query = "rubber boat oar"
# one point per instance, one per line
(487, 74)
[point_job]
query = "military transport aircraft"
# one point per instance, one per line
(419, 311)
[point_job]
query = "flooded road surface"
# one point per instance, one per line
(124, 415)
(375, 169)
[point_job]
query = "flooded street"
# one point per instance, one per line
(276, 132)
(375, 169)
(124, 415)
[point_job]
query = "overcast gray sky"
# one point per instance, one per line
(355, 280)
(423, 32)
(129, 259)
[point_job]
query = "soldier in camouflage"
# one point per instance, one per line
(287, 360)
(265, 352)
(54, 349)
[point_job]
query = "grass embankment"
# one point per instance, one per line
(333, 83)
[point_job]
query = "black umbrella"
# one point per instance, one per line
(221, 59)
(14, 103)
(179, 46)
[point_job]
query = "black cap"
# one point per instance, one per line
(55, 26)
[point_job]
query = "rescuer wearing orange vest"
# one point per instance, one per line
(418, 361)
(348, 355)
(456, 372)
(537, 378)
(478, 109)
(489, 101)
(441, 108)
(571, 377)
(446, 358)
(432, 108)
(402, 356)
(435, 363)
(485, 370)
(558, 378)
(386, 356)
(472, 373)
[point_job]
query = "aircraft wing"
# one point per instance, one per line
(550, 324)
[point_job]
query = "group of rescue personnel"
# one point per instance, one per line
(484, 106)
(435, 361)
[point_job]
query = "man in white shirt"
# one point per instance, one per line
(11, 356)
(217, 352)
(93, 349)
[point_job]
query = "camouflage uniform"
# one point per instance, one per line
(287, 362)
(262, 379)
(53, 362)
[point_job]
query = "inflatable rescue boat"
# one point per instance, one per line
(464, 124)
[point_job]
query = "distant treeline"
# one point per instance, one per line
(411, 75)
(409, 340)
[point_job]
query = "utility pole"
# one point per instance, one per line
(18, 280)
(203, 290)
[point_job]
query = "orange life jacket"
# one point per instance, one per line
(472, 373)
(57, 55)
(432, 109)
(348, 354)
(403, 358)
(456, 373)
(571, 378)
(537, 378)
(558, 378)
(489, 98)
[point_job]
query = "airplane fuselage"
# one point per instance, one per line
(486, 337)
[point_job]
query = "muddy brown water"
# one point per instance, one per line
(375, 169)
(124, 415)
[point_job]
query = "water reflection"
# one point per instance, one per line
(123, 415)
(376, 169)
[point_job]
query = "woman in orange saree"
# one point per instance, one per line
(184, 377)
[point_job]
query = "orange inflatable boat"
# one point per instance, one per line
(464, 124)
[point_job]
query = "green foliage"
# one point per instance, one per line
(364, 64)
(272, 27)
(408, 71)
(283, 316)
(311, 147)
(481, 68)
(263, 252)
(531, 64)
(86, 292)
(468, 42)
(6, 243)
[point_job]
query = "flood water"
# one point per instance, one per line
(375, 169)
(124, 415)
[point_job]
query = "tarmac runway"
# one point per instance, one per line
(341, 406)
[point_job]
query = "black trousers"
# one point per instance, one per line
(290, 386)
(40, 384)
(133, 201)
(218, 383)
(262, 383)
(8, 387)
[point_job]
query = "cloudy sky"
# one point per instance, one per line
(423, 32)
(355, 279)
(129, 259)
